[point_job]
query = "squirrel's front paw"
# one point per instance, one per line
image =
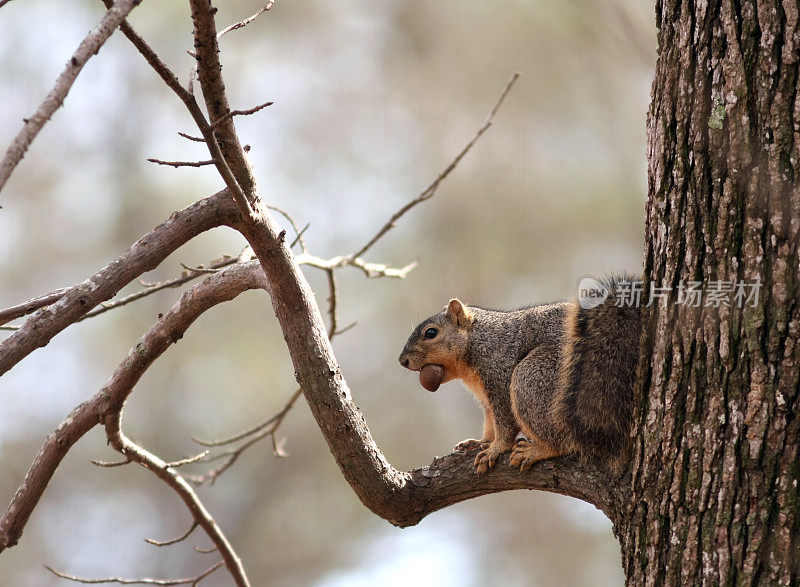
(470, 444)
(488, 457)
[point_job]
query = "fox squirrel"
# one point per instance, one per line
(559, 373)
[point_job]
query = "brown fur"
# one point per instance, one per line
(558, 373)
(592, 408)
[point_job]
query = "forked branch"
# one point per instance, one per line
(144, 255)
(106, 407)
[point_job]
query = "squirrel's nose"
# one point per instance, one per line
(404, 361)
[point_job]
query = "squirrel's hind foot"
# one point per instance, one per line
(525, 453)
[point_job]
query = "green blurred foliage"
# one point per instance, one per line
(372, 100)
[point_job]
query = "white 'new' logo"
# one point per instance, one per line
(591, 293)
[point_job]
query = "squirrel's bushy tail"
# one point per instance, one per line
(601, 350)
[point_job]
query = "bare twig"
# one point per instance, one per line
(180, 538)
(369, 269)
(182, 163)
(192, 138)
(246, 21)
(263, 430)
(205, 550)
(31, 306)
(298, 233)
(186, 461)
(199, 269)
(429, 191)
(299, 237)
(233, 113)
(230, 456)
(89, 46)
(152, 288)
(346, 328)
(122, 581)
(110, 463)
(239, 435)
(372, 270)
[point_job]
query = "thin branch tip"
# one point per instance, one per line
(177, 164)
(430, 190)
(180, 538)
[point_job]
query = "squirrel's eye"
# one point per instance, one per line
(431, 333)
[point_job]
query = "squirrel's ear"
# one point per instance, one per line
(459, 313)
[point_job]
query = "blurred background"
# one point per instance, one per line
(372, 99)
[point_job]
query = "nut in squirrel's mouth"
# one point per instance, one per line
(431, 376)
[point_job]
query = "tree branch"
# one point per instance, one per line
(170, 476)
(233, 113)
(217, 288)
(370, 269)
(53, 101)
(192, 138)
(269, 427)
(145, 254)
(246, 21)
(429, 191)
(152, 288)
(209, 71)
(122, 581)
(177, 164)
(180, 538)
(82, 419)
(256, 433)
(298, 233)
(401, 498)
(197, 115)
(31, 306)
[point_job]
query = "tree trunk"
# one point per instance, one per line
(714, 473)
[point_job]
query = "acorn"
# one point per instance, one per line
(430, 376)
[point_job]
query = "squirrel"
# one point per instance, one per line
(561, 374)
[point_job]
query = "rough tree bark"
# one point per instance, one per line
(714, 478)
